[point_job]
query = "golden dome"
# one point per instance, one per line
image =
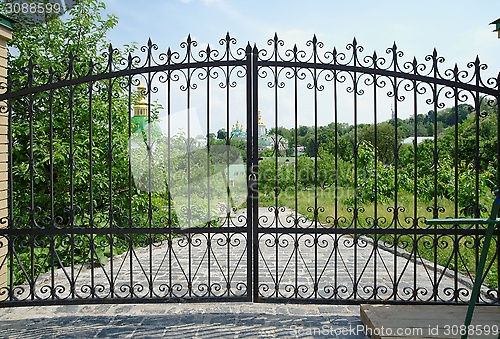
(261, 123)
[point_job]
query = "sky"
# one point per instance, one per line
(460, 30)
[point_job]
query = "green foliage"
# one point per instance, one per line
(62, 137)
(383, 136)
(375, 181)
(61, 121)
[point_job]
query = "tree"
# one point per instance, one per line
(52, 173)
(222, 134)
(67, 137)
(384, 141)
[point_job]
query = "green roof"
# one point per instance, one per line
(7, 22)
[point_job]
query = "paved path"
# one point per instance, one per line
(216, 320)
(216, 266)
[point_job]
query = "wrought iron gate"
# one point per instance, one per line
(109, 203)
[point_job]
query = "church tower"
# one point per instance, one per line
(141, 108)
(262, 130)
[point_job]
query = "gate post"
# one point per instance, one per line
(5, 35)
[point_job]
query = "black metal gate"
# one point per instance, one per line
(108, 202)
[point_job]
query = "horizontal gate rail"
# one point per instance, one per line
(451, 83)
(118, 230)
(118, 74)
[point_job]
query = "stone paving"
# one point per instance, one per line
(187, 320)
(334, 262)
(220, 269)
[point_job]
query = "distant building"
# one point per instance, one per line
(301, 150)
(262, 130)
(141, 117)
(237, 131)
(411, 140)
(266, 141)
(200, 141)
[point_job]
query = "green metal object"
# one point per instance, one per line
(497, 24)
(492, 222)
(6, 21)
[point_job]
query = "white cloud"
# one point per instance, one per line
(210, 2)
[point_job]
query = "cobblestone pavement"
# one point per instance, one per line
(215, 265)
(187, 320)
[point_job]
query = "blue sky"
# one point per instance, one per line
(459, 29)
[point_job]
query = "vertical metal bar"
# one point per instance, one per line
(255, 172)
(71, 172)
(228, 149)
(477, 155)
(456, 184)
(150, 155)
(415, 181)
(150, 181)
(32, 182)
(188, 151)
(209, 218)
(11, 191)
(169, 178)
(110, 170)
(477, 161)
(375, 149)
(91, 189)
(336, 207)
(296, 169)
(355, 215)
(395, 156)
(316, 208)
(435, 213)
(435, 175)
(51, 186)
(276, 181)
(250, 160)
(130, 180)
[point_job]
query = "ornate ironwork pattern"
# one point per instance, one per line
(108, 202)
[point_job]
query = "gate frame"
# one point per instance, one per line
(252, 62)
